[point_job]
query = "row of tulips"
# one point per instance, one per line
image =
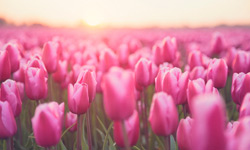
(149, 101)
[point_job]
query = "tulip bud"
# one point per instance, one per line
(230, 56)
(241, 62)
(20, 87)
(217, 72)
(89, 77)
(49, 56)
(209, 116)
(8, 126)
(218, 43)
(47, 124)
(10, 93)
(70, 120)
(35, 84)
(169, 48)
(145, 72)
(119, 103)
(175, 84)
(194, 59)
(123, 54)
(198, 72)
(159, 78)
(184, 134)
(108, 59)
(14, 55)
(132, 127)
(5, 66)
(245, 106)
(240, 86)
(36, 62)
(78, 98)
(163, 115)
(197, 87)
(19, 75)
(61, 72)
(157, 54)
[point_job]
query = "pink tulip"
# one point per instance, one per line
(14, 55)
(184, 134)
(37, 62)
(230, 56)
(119, 103)
(61, 72)
(157, 54)
(241, 62)
(145, 72)
(78, 98)
(108, 59)
(198, 72)
(89, 77)
(132, 127)
(158, 80)
(218, 43)
(123, 54)
(169, 48)
(245, 106)
(175, 83)
(197, 87)
(240, 86)
(70, 120)
(5, 66)
(195, 59)
(50, 56)
(19, 75)
(217, 72)
(8, 126)
(208, 129)
(10, 93)
(47, 124)
(163, 115)
(20, 87)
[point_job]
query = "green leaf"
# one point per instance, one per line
(160, 142)
(62, 146)
(68, 129)
(107, 135)
(172, 143)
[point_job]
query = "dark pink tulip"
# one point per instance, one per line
(8, 126)
(78, 98)
(245, 106)
(169, 48)
(89, 77)
(10, 93)
(163, 115)
(14, 55)
(175, 84)
(119, 103)
(218, 43)
(123, 54)
(184, 134)
(208, 129)
(159, 78)
(50, 56)
(145, 72)
(132, 129)
(198, 72)
(47, 124)
(217, 72)
(61, 72)
(99, 75)
(197, 87)
(157, 54)
(37, 62)
(70, 120)
(19, 75)
(108, 59)
(20, 86)
(195, 59)
(241, 62)
(240, 86)
(35, 83)
(5, 66)
(230, 56)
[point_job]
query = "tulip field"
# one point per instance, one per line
(124, 89)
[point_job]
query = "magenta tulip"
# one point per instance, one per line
(50, 56)
(184, 134)
(119, 103)
(132, 128)
(245, 106)
(70, 120)
(163, 115)
(14, 55)
(108, 59)
(61, 72)
(195, 59)
(198, 72)
(8, 126)
(241, 62)
(169, 48)
(78, 98)
(208, 129)
(161, 73)
(218, 44)
(240, 86)
(5, 66)
(217, 72)
(10, 93)
(47, 124)
(230, 56)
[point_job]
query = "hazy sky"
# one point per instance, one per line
(135, 13)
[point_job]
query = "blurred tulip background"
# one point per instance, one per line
(124, 75)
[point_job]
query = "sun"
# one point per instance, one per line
(92, 22)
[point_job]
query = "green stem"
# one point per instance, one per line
(9, 142)
(125, 136)
(145, 116)
(79, 131)
(89, 130)
(167, 142)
